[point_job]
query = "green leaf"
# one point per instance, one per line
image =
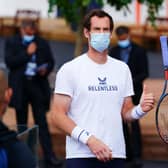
(73, 12)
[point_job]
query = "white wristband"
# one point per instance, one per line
(137, 112)
(80, 134)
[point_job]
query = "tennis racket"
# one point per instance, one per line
(162, 106)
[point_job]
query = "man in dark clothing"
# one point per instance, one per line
(29, 60)
(13, 152)
(136, 58)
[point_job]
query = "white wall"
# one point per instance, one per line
(119, 16)
(9, 7)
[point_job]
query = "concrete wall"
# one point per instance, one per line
(136, 14)
(9, 7)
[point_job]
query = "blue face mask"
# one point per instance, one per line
(28, 38)
(124, 43)
(100, 41)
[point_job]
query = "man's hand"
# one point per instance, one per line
(147, 100)
(102, 151)
(31, 49)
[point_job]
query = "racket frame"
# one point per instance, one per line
(163, 95)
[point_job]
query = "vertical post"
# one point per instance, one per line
(166, 8)
(137, 12)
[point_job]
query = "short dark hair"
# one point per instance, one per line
(99, 13)
(120, 30)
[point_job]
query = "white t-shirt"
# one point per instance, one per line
(97, 92)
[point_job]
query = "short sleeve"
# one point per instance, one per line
(64, 81)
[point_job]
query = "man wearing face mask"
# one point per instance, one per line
(92, 96)
(136, 58)
(29, 60)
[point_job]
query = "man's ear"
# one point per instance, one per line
(86, 33)
(8, 94)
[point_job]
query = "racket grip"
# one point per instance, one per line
(164, 49)
(166, 74)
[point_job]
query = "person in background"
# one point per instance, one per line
(13, 152)
(135, 57)
(30, 61)
(92, 96)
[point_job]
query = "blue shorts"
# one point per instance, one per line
(94, 163)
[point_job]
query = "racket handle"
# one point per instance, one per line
(164, 48)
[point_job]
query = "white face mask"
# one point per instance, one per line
(100, 41)
(28, 38)
(124, 43)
